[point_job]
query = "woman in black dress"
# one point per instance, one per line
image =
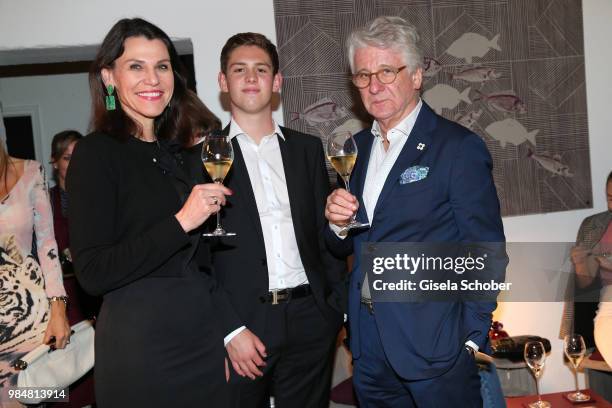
(134, 210)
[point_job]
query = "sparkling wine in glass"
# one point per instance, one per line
(217, 156)
(574, 349)
(342, 154)
(534, 357)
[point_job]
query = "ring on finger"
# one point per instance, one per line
(215, 201)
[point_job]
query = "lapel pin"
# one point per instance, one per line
(420, 146)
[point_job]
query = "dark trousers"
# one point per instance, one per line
(299, 343)
(378, 386)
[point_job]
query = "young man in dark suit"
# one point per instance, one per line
(284, 289)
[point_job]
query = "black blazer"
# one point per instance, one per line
(159, 301)
(239, 263)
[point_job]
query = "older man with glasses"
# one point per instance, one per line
(418, 178)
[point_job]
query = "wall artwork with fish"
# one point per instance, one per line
(512, 71)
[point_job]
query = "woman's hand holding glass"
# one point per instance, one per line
(217, 158)
(605, 260)
(204, 200)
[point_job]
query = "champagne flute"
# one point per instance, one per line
(534, 357)
(574, 348)
(342, 154)
(217, 157)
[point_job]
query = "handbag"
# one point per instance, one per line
(47, 368)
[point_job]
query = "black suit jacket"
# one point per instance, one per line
(239, 263)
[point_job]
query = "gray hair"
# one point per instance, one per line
(388, 32)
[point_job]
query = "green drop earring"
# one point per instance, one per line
(110, 98)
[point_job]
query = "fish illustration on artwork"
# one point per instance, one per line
(511, 131)
(323, 111)
(505, 101)
(469, 119)
(552, 164)
(471, 45)
(430, 67)
(445, 96)
(353, 126)
(477, 75)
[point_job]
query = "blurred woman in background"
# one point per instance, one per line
(592, 258)
(61, 152)
(81, 306)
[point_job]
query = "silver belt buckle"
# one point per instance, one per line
(275, 296)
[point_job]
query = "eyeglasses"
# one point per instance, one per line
(385, 75)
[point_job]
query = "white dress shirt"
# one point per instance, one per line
(381, 160)
(264, 164)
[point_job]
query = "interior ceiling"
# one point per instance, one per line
(49, 55)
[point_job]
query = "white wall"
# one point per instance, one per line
(31, 23)
(544, 319)
(63, 102)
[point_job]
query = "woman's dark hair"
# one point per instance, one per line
(181, 110)
(60, 143)
(609, 179)
(198, 119)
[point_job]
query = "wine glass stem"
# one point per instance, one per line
(347, 183)
(219, 219)
(576, 379)
(538, 390)
(218, 215)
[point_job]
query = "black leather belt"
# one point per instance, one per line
(368, 303)
(285, 295)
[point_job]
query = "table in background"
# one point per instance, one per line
(557, 400)
(599, 376)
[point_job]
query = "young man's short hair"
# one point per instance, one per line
(249, 39)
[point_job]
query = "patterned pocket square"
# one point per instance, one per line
(414, 173)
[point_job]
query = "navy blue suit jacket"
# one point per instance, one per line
(456, 202)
